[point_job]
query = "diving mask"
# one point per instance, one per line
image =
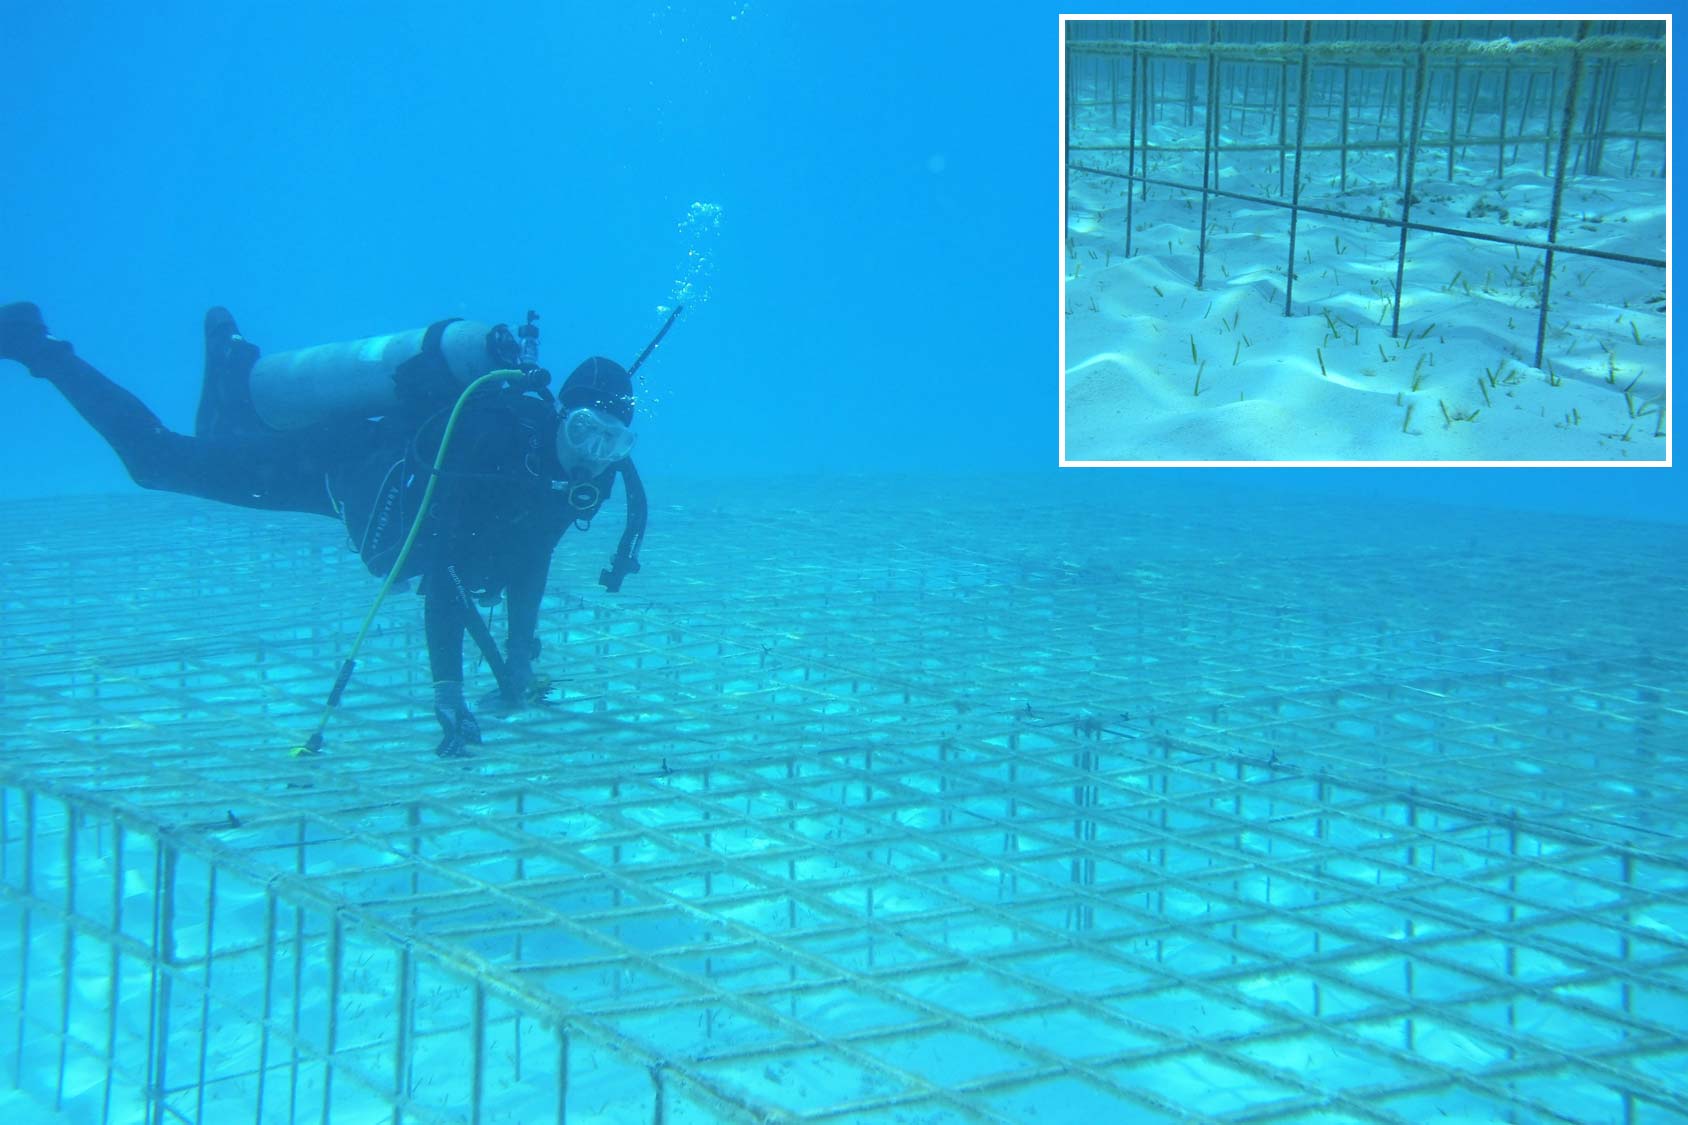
(592, 439)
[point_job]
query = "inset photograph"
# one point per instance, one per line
(1370, 241)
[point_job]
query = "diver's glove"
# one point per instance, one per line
(461, 729)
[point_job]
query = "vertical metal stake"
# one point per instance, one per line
(1566, 121)
(562, 1076)
(1412, 161)
(114, 990)
(1210, 139)
(67, 958)
(1300, 141)
(1500, 142)
(336, 955)
(477, 1054)
(24, 917)
(269, 1002)
(163, 959)
(1453, 117)
(1342, 140)
(404, 1047)
(205, 997)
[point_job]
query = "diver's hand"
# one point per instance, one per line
(510, 695)
(521, 689)
(456, 721)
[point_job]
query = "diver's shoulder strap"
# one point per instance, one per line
(626, 559)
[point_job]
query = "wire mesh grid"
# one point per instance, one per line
(876, 801)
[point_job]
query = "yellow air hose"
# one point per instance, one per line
(313, 744)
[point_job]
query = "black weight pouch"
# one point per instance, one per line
(377, 497)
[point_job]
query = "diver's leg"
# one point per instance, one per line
(443, 625)
(253, 472)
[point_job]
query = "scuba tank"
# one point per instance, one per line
(365, 378)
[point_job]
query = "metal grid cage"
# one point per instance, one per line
(875, 801)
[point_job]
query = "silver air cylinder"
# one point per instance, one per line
(291, 390)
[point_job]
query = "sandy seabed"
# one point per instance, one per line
(1159, 369)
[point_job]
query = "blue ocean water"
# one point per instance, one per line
(884, 292)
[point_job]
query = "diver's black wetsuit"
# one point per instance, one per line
(275, 472)
(495, 520)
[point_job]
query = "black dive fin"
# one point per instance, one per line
(225, 397)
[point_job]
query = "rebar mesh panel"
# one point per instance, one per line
(882, 800)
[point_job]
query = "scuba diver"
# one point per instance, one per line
(466, 490)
